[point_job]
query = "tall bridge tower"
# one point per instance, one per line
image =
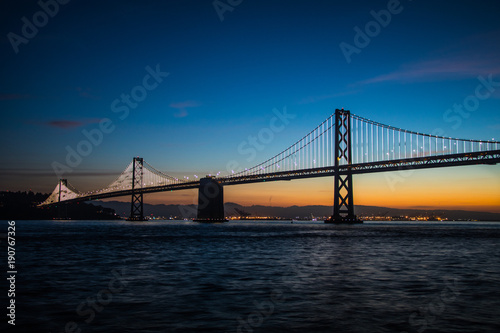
(137, 206)
(343, 206)
(341, 146)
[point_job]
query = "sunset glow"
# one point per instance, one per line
(196, 95)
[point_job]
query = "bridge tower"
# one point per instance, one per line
(137, 206)
(343, 206)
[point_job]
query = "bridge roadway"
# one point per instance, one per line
(485, 157)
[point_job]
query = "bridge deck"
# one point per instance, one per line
(475, 158)
(486, 157)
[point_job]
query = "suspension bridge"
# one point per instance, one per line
(341, 146)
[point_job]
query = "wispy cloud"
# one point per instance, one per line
(468, 58)
(186, 104)
(182, 106)
(50, 173)
(494, 127)
(8, 97)
(69, 124)
(314, 99)
(65, 123)
(87, 93)
(438, 69)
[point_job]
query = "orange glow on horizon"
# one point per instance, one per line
(460, 188)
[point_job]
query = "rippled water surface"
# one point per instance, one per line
(83, 276)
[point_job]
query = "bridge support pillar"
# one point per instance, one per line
(210, 201)
(343, 206)
(137, 206)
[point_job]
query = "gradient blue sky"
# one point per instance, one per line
(226, 77)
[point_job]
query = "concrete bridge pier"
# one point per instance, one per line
(210, 201)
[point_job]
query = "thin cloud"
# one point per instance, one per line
(182, 106)
(314, 99)
(86, 93)
(494, 127)
(181, 114)
(65, 123)
(69, 124)
(9, 97)
(186, 104)
(50, 173)
(472, 56)
(439, 69)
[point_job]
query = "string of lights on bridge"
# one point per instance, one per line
(371, 142)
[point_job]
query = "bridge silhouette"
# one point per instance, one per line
(341, 146)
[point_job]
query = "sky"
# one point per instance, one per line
(202, 76)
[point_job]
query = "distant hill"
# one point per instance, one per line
(23, 206)
(300, 212)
